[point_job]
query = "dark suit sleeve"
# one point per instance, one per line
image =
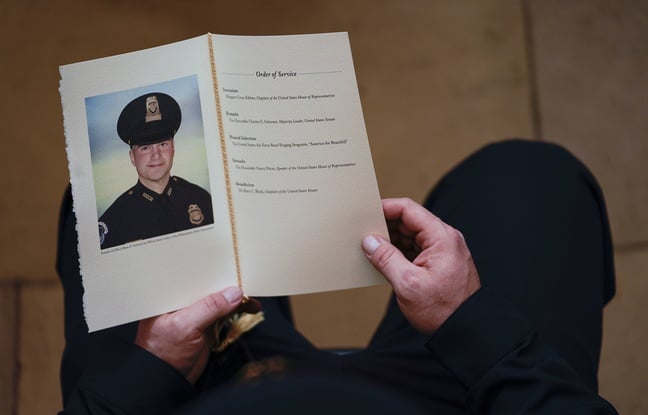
(129, 380)
(505, 367)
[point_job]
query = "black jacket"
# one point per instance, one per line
(504, 366)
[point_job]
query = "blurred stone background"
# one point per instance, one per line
(438, 79)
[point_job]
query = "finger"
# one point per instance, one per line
(394, 208)
(415, 220)
(205, 312)
(387, 259)
(411, 215)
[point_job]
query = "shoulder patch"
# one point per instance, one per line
(103, 231)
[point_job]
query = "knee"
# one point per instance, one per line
(521, 149)
(519, 155)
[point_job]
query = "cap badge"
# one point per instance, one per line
(196, 216)
(152, 109)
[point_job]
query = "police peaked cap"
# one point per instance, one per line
(149, 119)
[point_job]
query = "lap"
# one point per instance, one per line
(535, 221)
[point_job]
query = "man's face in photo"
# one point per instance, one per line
(153, 162)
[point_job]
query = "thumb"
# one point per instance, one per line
(387, 259)
(205, 312)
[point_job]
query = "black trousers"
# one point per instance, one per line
(535, 221)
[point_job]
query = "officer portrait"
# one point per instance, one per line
(159, 202)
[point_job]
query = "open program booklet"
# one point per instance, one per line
(260, 149)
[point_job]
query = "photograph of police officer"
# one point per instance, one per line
(160, 202)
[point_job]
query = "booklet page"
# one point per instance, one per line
(132, 265)
(302, 179)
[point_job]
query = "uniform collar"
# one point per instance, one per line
(148, 194)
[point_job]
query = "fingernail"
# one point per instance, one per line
(233, 294)
(370, 244)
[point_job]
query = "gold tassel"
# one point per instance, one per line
(235, 326)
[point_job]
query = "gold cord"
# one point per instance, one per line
(228, 186)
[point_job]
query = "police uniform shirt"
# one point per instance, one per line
(141, 213)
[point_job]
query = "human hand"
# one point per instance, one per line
(430, 266)
(184, 337)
